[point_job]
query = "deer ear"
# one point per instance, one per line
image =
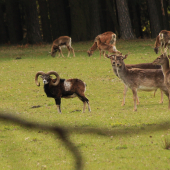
(54, 47)
(169, 56)
(124, 57)
(107, 56)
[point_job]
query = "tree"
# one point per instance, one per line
(126, 30)
(13, 21)
(95, 28)
(3, 32)
(134, 8)
(155, 23)
(112, 10)
(58, 18)
(46, 30)
(78, 21)
(32, 22)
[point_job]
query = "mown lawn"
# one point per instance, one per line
(136, 138)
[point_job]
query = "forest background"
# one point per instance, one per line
(36, 21)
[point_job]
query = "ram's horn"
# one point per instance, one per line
(36, 77)
(57, 76)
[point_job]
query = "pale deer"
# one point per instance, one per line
(140, 79)
(63, 41)
(163, 40)
(130, 66)
(164, 62)
(107, 37)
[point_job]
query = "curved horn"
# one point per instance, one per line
(36, 77)
(57, 76)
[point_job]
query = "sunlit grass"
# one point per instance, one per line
(137, 139)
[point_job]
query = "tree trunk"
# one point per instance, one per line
(46, 29)
(134, 9)
(112, 12)
(14, 21)
(3, 32)
(78, 21)
(154, 18)
(32, 22)
(126, 30)
(58, 18)
(164, 14)
(95, 19)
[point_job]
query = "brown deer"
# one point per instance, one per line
(163, 40)
(61, 42)
(130, 66)
(164, 62)
(107, 37)
(140, 79)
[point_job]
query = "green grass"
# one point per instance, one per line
(135, 141)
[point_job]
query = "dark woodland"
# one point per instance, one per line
(37, 21)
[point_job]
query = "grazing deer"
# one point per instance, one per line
(107, 37)
(103, 47)
(164, 62)
(130, 66)
(163, 40)
(140, 79)
(61, 42)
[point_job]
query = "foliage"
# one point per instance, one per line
(136, 141)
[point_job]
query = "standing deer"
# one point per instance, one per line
(164, 62)
(61, 42)
(140, 79)
(107, 37)
(131, 66)
(163, 40)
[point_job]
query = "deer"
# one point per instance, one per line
(163, 40)
(163, 60)
(63, 41)
(140, 79)
(130, 66)
(107, 37)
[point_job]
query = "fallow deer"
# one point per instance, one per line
(130, 66)
(163, 40)
(164, 62)
(107, 37)
(140, 79)
(61, 42)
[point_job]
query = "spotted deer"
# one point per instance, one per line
(139, 79)
(63, 41)
(163, 40)
(130, 66)
(107, 37)
(163, 60)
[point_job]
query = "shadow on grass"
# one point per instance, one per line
(64, 132)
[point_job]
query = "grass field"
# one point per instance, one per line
(136, 141)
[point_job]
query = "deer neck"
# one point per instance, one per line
(123, 72)
(165, 66)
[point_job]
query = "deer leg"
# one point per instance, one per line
(73, 51)
(169, 100)
(61, 51)
(161, 97)
(69, 49)
(100, 54)
(124, 94)
(58, 102)
(104, 54)
(134, 99)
